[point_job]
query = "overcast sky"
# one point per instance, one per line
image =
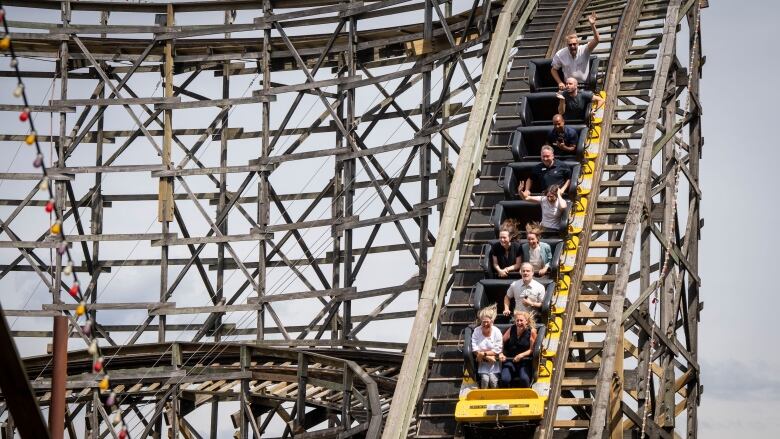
(738, 352)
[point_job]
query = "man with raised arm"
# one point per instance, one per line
(574, 59)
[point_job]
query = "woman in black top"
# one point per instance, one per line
(516, 357)
(506, 255)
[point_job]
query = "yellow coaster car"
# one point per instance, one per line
(506, 406)
(489, 405)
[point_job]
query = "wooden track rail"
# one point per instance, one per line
(638, 74)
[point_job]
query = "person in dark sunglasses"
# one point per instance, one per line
(574, 59)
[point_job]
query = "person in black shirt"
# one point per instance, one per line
(505, 255)
(562, 137)
(572, 102)
(518, 352)
(546, 174)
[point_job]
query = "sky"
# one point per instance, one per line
(739, 366)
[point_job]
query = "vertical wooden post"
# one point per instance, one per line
(165, 196)
(615, 415)
(425, 149)
(337, 206)
(245, 359)
(214, 420)
(695, 142)
(59, 378)
(443, 179)
(303, 378)
(346, 398)
(263, 207)
(219, 292)
(644, 362)
(96, 220)
(176, 362)
(92, 419)
(62, 146)
(615, 422)
(349, 176)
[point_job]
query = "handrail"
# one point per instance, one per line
(373, 408)
(415, 362)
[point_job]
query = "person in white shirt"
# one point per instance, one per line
(553, 206)
(574, 59)
(487, 343)
(527, 292)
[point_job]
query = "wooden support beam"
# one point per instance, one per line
(178, 172)
(51, 108)
(165, 201)
(15, 385)
(104, 306)
(334, 293)
(114, 101)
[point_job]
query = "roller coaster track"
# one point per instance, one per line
(177, 379)
(626, 361)
(610, 321)
(642, 80)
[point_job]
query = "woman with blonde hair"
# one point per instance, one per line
(486, 343)
(518, 351)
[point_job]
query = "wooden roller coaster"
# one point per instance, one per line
(277, 211)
